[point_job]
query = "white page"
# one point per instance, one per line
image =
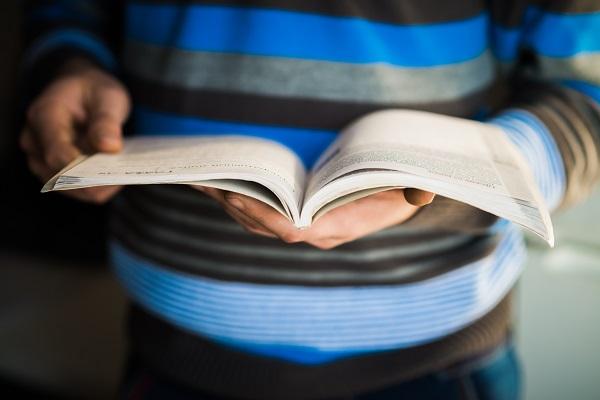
(459, 153)
(147, 160)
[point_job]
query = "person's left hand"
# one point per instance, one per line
(340, 225)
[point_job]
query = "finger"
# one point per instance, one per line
(107, 111)
(98, 195)
(52, 126)
(327, 243)
(266, 216)
(243, 219)
(418, 197)
(199, 188)
(216, 194)
(39, 168)
(95, 195)
(248, 223)
(360, 218)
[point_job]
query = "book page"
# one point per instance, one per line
(462, 158)
(150, 160)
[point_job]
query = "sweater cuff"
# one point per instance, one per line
(536, 143)
(75, 39)
(46, 55)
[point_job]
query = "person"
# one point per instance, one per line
(396, 295)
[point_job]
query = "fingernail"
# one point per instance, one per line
(109, 140)
(236, 203)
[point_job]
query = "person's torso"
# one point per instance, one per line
(298, 72)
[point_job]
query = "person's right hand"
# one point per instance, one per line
(81, 111)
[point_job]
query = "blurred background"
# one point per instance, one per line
(61, 313)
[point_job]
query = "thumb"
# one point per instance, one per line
(418, 197)
(107, 113)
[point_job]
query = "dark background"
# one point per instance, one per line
(60, 311)
(32, 221)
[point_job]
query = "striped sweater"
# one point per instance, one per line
(229, 312)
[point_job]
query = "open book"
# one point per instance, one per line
(464, 160)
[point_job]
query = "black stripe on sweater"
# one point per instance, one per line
(270, 110)
(246, 258)
(387, 11)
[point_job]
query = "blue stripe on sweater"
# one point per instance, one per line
(312, 325)
(505, 42)
(562, 35)
(549, 34)
(308, 36)
(308, 144)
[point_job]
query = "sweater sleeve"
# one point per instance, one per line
(554, 114)
(550, 50)
(57, 30)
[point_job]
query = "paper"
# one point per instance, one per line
(457, 158)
